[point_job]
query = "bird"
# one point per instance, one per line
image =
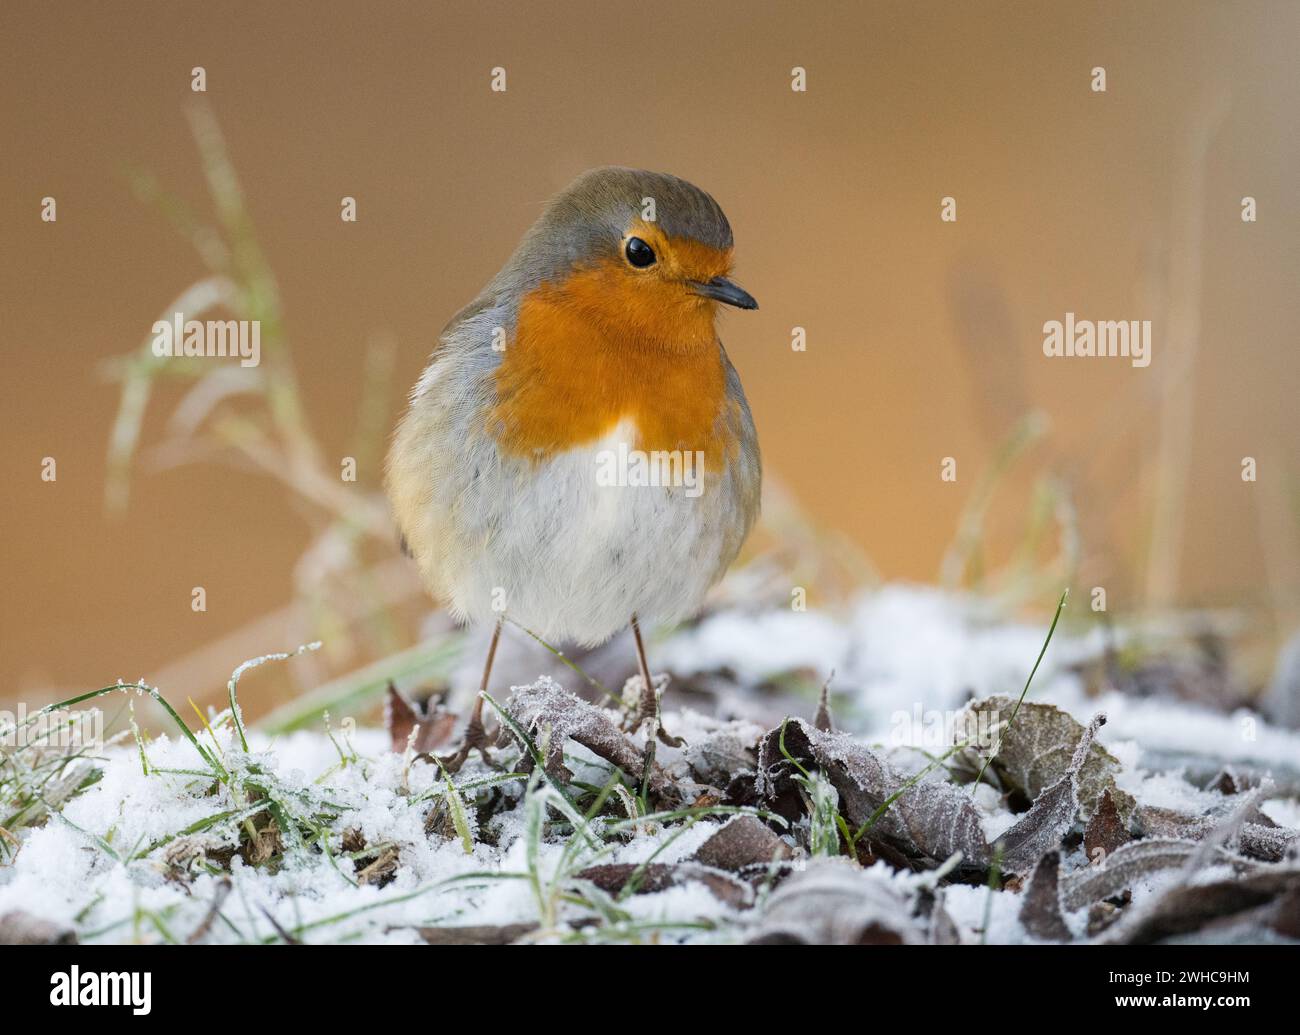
(578, 455)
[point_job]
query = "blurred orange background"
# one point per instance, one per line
(924, 337)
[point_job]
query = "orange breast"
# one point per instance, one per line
(601, 348)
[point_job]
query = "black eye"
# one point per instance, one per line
(639, 254)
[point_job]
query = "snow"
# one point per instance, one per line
(59, 873)
(898, 649)
(759, 645)
(906, 647)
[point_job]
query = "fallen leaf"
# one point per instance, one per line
(1053, 813)
(1160, 822)
(1229, 781)
(1286, 918)
(1036, 749)
(834, 902)
(423, 729)
(716, 758)
(19, 928)
(1259, 836)
(1268, 843)
(1135, 860)
(1105, 831)
(930, 818)
(1040, 910)
(745, 841)
(504, 934)
(824, 721)
(1190, 907)
(551, 714)
(612, 878)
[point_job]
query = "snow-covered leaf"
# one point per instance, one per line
(1054, 811)
(1194, 907)
(1132, 862)
(930, 818)
(1034, 751)
(834, 902)
(553, 715)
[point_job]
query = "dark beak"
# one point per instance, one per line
(720, 289)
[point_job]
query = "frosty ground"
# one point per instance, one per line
(1093, 814)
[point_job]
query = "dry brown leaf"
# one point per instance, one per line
(552, 715)
(1191, 907)
(824, 721)
(1269, 843)
(1134, 860)
(1040, 910)
(834, 902)
(1155, 821)
(18, 928)
(1053, 813)
(716, 758)
(423, 729)
(1105, 831)
(612, 878)
(1258, 838)
(476, 935)
(1035, 751)
(1286, 918)
(745, 841)
(930, 818)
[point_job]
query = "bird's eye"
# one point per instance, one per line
(639, 254)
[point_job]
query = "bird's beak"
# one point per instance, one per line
(720, 289)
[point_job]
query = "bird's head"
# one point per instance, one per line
(643, 257)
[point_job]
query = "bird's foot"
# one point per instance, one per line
(647, 707)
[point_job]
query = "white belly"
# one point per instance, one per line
(572, 557)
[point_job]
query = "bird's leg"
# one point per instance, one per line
(474, 732)
(647, 706)
(476, 738)
(647, 687)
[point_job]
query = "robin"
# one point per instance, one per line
(578, 455)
